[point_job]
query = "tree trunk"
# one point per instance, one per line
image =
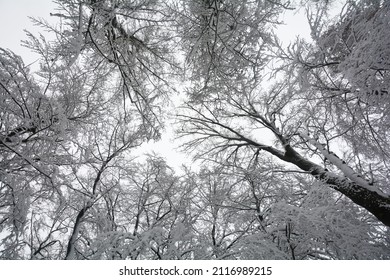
(376, 203)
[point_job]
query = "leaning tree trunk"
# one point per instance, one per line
(373, 201)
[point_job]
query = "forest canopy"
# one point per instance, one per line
(291, 140)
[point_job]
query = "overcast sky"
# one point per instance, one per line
(14, 20)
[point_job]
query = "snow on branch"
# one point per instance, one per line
(341, 164)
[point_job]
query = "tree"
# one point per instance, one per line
(133, 39)
(308, 112)
(147, 215)
(293, 140)
(50, 136)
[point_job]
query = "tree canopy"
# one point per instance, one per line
(291, 138)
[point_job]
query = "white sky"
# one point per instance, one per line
(295, 24)
(14, 20)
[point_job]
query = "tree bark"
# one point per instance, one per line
(376, 203)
